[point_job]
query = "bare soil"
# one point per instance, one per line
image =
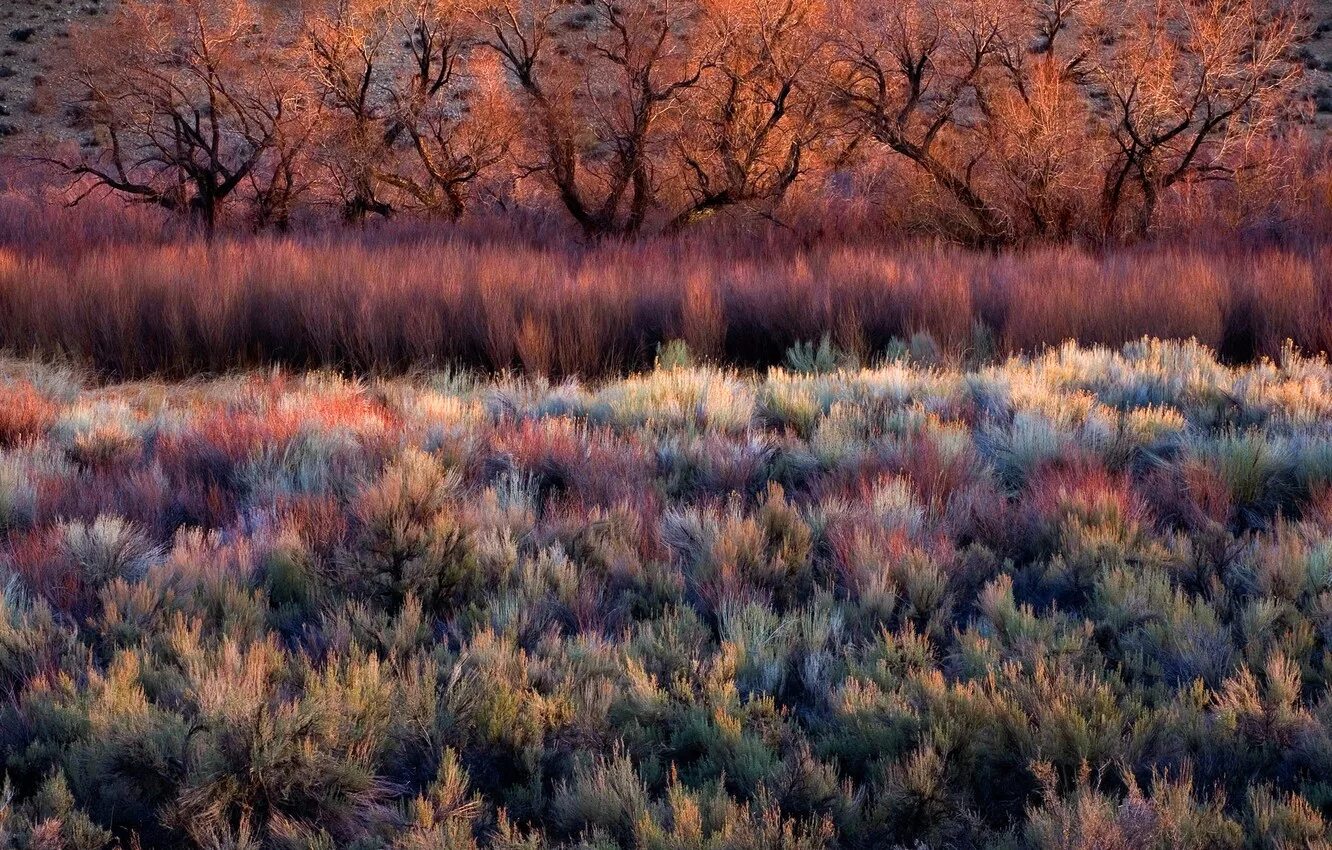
(34, 35)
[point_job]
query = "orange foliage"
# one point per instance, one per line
(990, 122)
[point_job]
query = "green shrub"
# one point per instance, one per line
(812, 359)
(108, 548)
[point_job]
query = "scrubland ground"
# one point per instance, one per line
(1082, 599)
(697, 489)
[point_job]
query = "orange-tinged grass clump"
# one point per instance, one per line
(25, 413)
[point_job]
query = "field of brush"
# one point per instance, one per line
(1074, 600)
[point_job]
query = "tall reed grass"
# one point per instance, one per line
(385, 305)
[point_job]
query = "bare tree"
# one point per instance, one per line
(349, 52)
(1190, 84)
(186, 99)
(909, 72)
(757, 116)
(1016, 119)
(1017, 111)
(1041, 167)
(448, 105)
(604, 84)
(402, 81)
(1042, 146)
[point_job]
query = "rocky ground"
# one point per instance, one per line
(33, 37)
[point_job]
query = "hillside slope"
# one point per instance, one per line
(33, 38)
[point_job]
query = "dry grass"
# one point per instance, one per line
(344, 302)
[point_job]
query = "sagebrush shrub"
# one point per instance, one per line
(1064, 601)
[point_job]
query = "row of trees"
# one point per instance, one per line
(1011, 120)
